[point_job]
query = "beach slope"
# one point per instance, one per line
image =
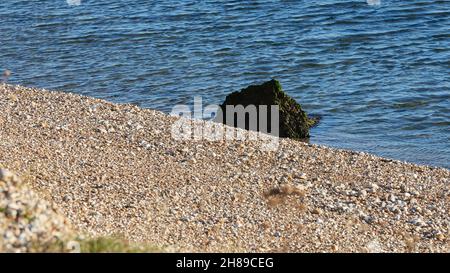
(115, 170)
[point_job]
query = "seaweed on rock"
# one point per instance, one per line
(293, 121)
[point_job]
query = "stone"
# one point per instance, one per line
(102, 130)
(317, 211)
(440, 237)
(363, 193)
(368, 219)
(374, 187)
(145, 144)
(301, 176)
(418, 222)
(293, 121)
(392, 198)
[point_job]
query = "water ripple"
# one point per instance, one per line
(379, 75)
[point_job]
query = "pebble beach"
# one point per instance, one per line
(114, 170)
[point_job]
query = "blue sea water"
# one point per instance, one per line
(378, 73)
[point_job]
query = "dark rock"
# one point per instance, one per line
(293, 121)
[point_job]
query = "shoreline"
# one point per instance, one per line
(114, 169)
